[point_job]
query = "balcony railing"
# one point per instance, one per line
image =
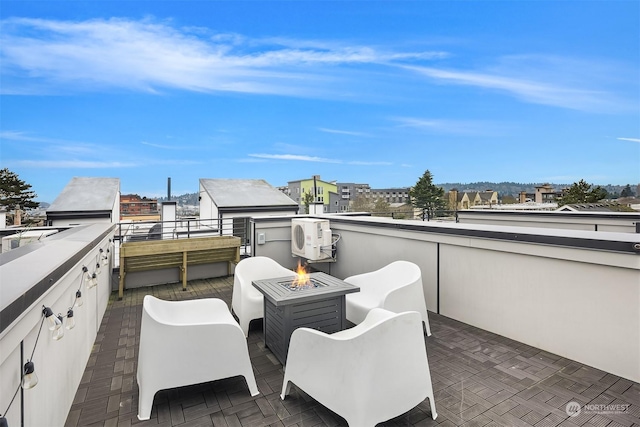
(570, 292)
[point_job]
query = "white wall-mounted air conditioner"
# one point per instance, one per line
(311, 238)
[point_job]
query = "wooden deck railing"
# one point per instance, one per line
(180, 253)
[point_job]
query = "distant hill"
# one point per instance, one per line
(183, 199)
(514, 188)
(503, 189)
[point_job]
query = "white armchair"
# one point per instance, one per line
(368, 374)
(246, 301)
(188, 342)
(396, 287)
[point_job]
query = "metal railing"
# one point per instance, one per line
(185, 228)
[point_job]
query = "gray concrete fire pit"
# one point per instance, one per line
(320, 305)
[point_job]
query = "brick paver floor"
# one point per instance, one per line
(479, 378)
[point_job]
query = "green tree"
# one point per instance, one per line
(427, 196)
(627, 191)
(381, 206)
(307, 199)
(14, 192)
(360, 204)
(582, 192)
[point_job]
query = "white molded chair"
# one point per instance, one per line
(368, 374)
(246, 301)
(188, 342)
(396, 287)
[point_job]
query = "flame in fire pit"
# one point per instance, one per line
(302, 277)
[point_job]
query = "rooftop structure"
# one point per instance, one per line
(244, 194)
(86, 200)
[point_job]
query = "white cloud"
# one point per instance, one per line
(166, 147)
(548, 80)
(342, 132)
(294, 157)
(460, 127)
(364, 163)
(151, 56)
(79, 164)
(629, 139)
(12, 135)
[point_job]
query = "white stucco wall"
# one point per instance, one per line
(60, 364)
(580, 303)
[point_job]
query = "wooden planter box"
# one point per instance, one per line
(178, 253)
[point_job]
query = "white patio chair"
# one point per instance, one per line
(246, 301)
(396, 287)
(368, 374)
(188, 342)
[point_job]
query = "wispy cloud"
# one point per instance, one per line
(77, 164)
(12, 135)
(459, 127)
(364, 163)
(343, 132)
(166, 147)
(295, 157)
(151, 55)
(560, 82)
(302, 158)
(629, 139)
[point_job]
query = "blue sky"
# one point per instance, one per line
(355, 91)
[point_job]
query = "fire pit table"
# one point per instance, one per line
(318, 304)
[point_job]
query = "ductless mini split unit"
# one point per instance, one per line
(311, 239)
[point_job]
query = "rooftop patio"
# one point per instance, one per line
(479, 378)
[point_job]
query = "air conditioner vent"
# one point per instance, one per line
(311, 238)
(298, 237)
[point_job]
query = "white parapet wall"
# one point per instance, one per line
(622, 222)
(569, 292)
(48, 273)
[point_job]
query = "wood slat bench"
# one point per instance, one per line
(179, 253)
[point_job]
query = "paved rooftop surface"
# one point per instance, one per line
(479, 378)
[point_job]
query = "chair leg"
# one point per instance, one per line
(434, 414)
(145, 403)
(426, 328)
(244, 325)
(286, 388)
(251, 383)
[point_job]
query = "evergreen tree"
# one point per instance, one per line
(627, 191)
(582, 192)
(427, 196)
(14, 192)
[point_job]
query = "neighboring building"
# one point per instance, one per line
(594, 207)
(86, 200)
(544, 193)
(347, 192)
(320, 189)
(134, 205)
(240, 199)
(469, 199)
(391, 195)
